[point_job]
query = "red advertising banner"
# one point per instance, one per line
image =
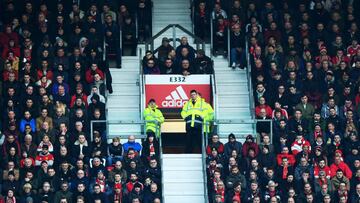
(172, 91)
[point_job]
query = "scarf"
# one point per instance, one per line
(101, 183)
(152, 149)
(285, 172)
(202, 13)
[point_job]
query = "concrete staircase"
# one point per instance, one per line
(124, 103)
(233, 99)
(183, 178)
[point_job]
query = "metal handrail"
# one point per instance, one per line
(151, 40)
(141, 84)
(228, 44)
(121, 43)
(158, 132)
(204, 136)
(211, 36)
(136, 26)
(192, 11)
(104, 49)
(215, 96)
(251, 121)
(250, 85)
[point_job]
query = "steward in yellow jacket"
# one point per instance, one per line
(153, 118)
(193, 112)
(209, 116)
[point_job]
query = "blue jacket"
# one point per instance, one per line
(136, 146)
(24, 122)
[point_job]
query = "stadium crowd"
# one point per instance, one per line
(305, 65)
(54, 82)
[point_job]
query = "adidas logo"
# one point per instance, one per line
(177, 98)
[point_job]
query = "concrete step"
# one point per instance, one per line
(184, 188)
(124, 114)
(183, 198)
(124, 129)
(188, 162)
(123, 101)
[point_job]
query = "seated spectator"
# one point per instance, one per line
(27, 119)
(271, 194)
(215, 143)
(118, 169)
(44, 155)
(250, 144)
(79, 94)
(185, 68)
(285, 154)
(262, 105)
(303, 167)
(185, 44)
(100, 180)
(282, 111)
(298, 145)
(168, 67)
(338, 179)
(323, 185)
(99, 83)
(306, 108)
(81, 149)
(61, 96)
(321, 166)
(151, 67)
(164, 49)
(342, 166)
(59, 81)
(98, 146)
(152, 195)
(231, 145)
(96, 104)
(131, 144)
(150, 148)
(45, 141)
(95, 90)
(234, 178)
(202, 63)
(90, 73)
(44, 117)
(44, 82)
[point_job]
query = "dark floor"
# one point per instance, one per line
(174, 143)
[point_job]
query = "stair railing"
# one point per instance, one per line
(141, 83)
(158, 136)
(248, 74)
(215, 96)
(211, 35)
(228, 44)
(192, 11)
(150, 42)
(204, 137)
(136, 26)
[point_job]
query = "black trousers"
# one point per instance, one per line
(193, 139)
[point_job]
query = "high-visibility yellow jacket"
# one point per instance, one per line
(194, 114)
(209, 116)
(153, 118)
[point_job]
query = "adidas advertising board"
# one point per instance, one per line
(172, 91)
